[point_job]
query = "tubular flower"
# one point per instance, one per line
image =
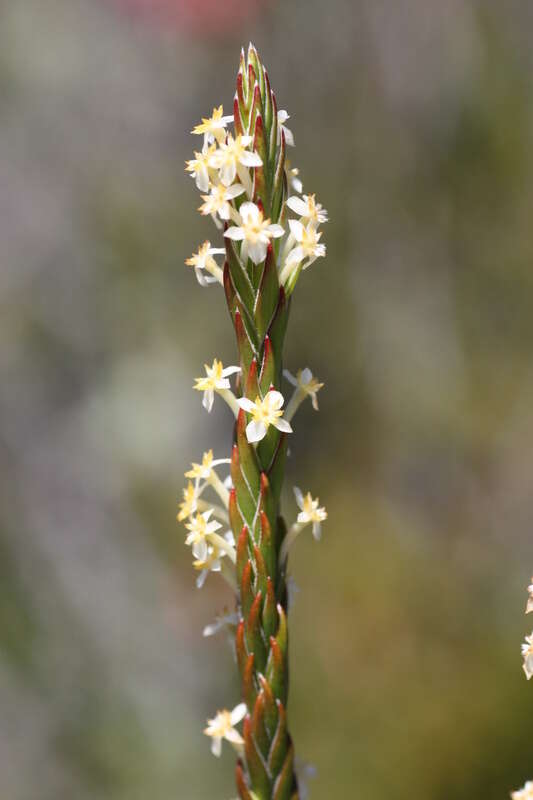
(527, 655)
(203, 261)
(230, 155)
(218, 201)
(529, 606)
(526, 793)
(216, 380)
(223, 727)
(189, 503)
(214, 127)
(255, 232)
(264, 413)
(199, 167)
(310, 512)
(308, 209)
(246, 180)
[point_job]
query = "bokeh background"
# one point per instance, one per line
(413, 123)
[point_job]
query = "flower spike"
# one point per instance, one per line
(250, 191)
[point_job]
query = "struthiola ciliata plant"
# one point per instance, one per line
(270, 235)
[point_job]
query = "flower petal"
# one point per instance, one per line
(238, 713)
(299, 496)
(237, 234)
(255, 431)
(282, 425)
(246, 404)
(250, 159)
(297, 205)
(275, 399)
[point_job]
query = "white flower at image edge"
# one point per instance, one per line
(526, 793)
(223, 727)
(529, 607)
(527, 655)
(255, 233)
(264, 413)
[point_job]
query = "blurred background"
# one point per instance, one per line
(413, 123)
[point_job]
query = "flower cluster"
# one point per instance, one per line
(223, 171)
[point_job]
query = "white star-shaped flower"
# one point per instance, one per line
(232, 153)
(306, 384)
(218, 201)
(199, 167)
(308, 209)
(204, 470)
(264, 413)
(200, 528)
(223, 727)
(527, 655)
(216, 380)
(211, 562)
(213, 127)
(308, 246)
(526, 793)
(255, 232)
(310, 512)
(203, 261)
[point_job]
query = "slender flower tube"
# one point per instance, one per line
(250, 191)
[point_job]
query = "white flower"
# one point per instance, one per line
(223, 621)
(264, 413)
(232, 153)
(216, 380)
(527, 655)
(200, 527)
(223, 727)
(529, 606)
(526, 793)
(203, 261)
(205, 469)
(255, 233)
(306, 384)
(308, 209)
(282, 118)
(199, 167)
(189, 503)
(214, 126)
(219, 198)
(310, 512)
(308, 245)
(292, 177)
(210, 563)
